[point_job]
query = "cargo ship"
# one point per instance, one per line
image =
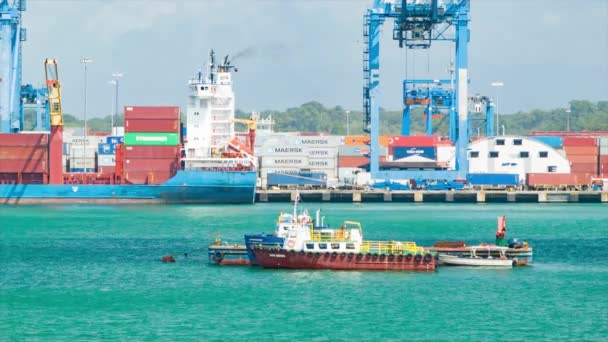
(153, 163)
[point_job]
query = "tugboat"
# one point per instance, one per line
(518, 252)
(305, 247)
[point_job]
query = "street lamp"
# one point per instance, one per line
(568, 111)
(115, 77)
(496, 84)
(85, 62)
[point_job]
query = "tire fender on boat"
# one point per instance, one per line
(418, 257)
(427, 258)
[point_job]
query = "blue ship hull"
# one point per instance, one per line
(218, 187)
(265, 240)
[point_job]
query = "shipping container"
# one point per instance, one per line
(80, 140)
(106, 160)
(329, 152)
(82, 170)
(584, 168)
(156, 112)
(289, 161)
(66, 149)
(493, 179)
(24, 139)
(115, 140)
(350, 161)
(24, 165)
(557, 179)
(148, 177)
(80, 152)
(413, 141)
(24, 152)
(356, 140)
(303, 179)
(152, 165)
(603, 141)
(580, 141)
(151, 139)
(106, 148)
(405, 152)
(604, 159)
(153, 125)
(582, 159)
(34, 178)
(82, 163)
(581, 150)
(106, 169)
(360, 150)
(553, 141)
(151, 152)
(604, 150)
(325, 163)
(295, 150)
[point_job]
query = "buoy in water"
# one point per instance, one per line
(168, 258)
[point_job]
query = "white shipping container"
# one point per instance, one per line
(264, 172)
(295, 150)
(302, 141)
(286, 161)
(604, 150)
(78, 140)
(325, 163)
(82, 163)
(106, 160)
(80, 152)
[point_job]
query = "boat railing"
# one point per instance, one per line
(390, 247)
(331, 236)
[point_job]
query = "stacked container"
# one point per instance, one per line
(24, 158)
(80, 153)
(603, 159)
(353, 159)
(151, 144)
(292, 154)
(106, 154)
(582, 152)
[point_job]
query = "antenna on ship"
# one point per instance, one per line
(211, 65)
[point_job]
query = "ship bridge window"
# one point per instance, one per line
(524, 154)
(500, 141)
(494, 154)
(310, 246)
(517, 142)
(335, 246)
(474, 154)
(350, 246)
(543, 154)
(551, 168)
(322, 246)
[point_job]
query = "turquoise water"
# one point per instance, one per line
(93, 273)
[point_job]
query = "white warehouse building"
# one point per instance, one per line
(515, 155)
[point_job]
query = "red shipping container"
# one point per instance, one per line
(24, 152)
(582, 159)
(580, 141)
(147, 177)
(413, 141)
(8, 178)
(24, 139)
(588, 150)
(24, 165)
(151, 152)
(535, 179)
(151, 126)
(603, 159)
(583, 168)
(603, 167)
(106, 169)
(352, 161)
(151, 165)
(34, 178)
(156, 112)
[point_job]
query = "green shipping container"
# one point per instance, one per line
(151, 139)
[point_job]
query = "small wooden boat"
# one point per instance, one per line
(473, 259)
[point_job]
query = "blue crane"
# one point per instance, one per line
(13, 96)
(417, 23)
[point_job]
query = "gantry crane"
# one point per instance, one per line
(56, 120)
(417, 23)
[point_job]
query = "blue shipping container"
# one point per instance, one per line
(66, 149)
(184, 131)
(302, 178)
(106, 149)
(493, 179)
(553, 141)
(115, 140)
(404, 152)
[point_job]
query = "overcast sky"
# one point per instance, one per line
(546, 52)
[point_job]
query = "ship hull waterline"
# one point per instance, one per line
(278, 258)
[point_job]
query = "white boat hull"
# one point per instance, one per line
(479, 262)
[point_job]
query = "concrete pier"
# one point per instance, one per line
(418, 196)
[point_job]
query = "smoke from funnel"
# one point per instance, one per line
(248, 52)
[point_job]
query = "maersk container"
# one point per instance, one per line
(497, 179)
(301, 162)
(553, 141)
(300, 179)
(322, 163)
(151, 139)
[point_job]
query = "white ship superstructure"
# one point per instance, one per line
(210, 121)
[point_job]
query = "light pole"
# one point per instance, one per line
(496, 84)
(568, 111)
(348, 122)
(115, 77)
(85, 62)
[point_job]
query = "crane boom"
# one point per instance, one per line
(54, 91)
